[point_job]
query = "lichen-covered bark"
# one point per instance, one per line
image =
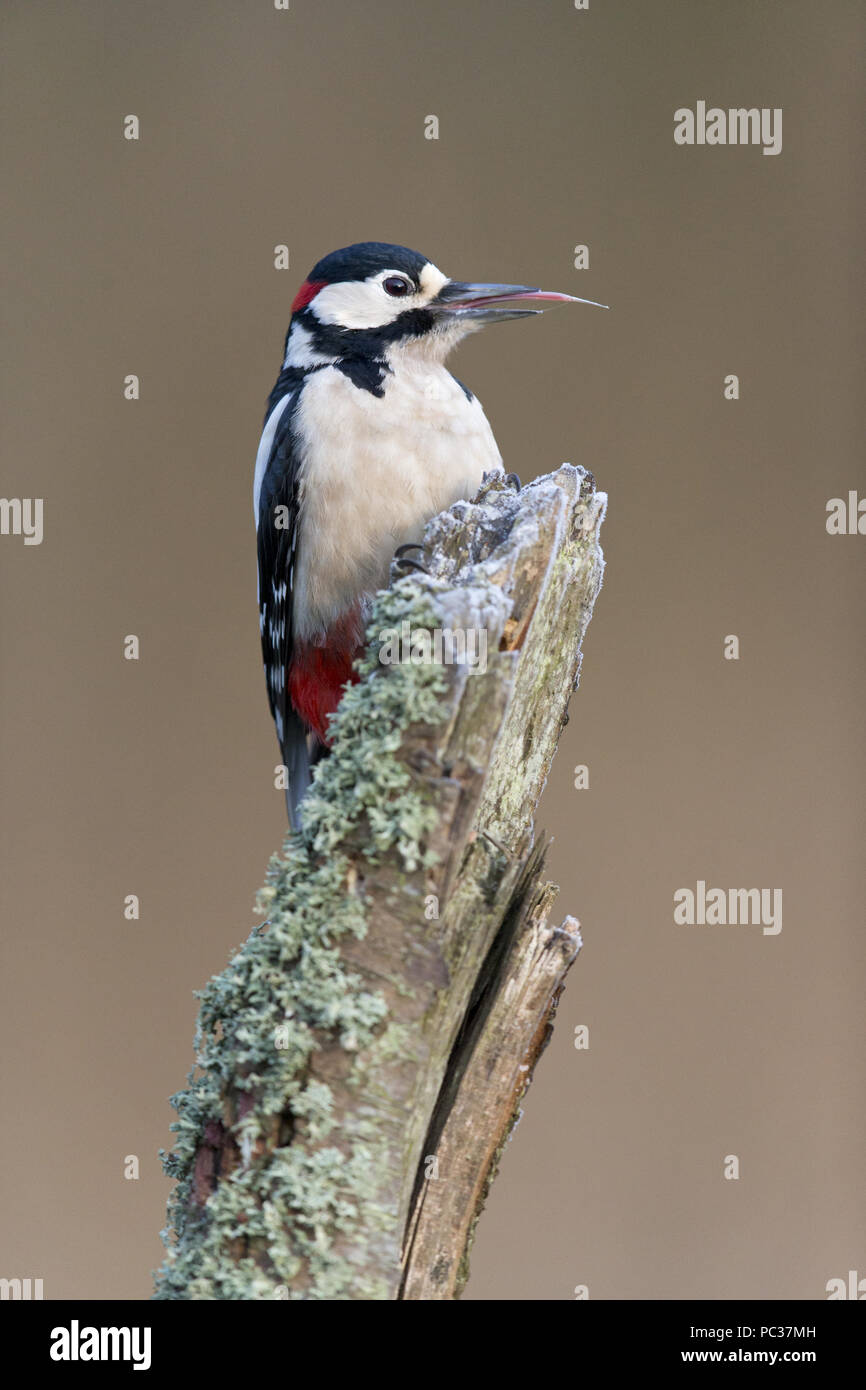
(403, 982)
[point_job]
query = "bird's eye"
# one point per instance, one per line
(395, 285)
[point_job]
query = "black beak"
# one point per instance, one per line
(491, 303)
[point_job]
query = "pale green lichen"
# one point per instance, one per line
(288, 987)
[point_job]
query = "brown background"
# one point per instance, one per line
(306, 127)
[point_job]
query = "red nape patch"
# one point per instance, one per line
(309, 289)
(317, 674)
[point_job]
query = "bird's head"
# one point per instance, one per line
(368, 299)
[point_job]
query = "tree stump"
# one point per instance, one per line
(361, 1060)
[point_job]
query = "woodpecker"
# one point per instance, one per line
(366, 437)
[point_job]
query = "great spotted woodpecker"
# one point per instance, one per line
(366, 437)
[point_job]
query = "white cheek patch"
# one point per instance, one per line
(300, 351)
(354, 304)
(364, 303)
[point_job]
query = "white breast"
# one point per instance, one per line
(374, 470)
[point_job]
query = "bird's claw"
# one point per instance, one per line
(513, 480)
(403, 564)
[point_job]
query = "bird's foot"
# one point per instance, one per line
(513, 480)
(401, 562)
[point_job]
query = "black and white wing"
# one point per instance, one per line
(276, 506)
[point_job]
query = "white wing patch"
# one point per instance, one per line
(266, 443)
